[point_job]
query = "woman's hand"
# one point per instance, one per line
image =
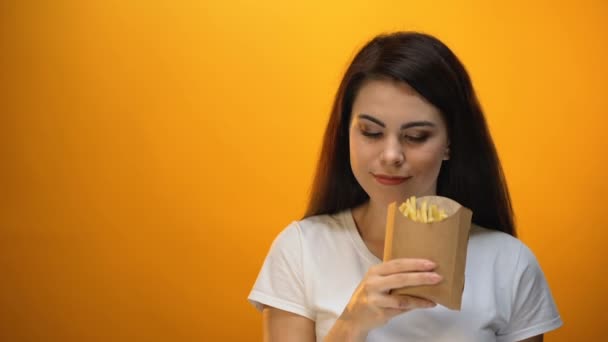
(372, 305)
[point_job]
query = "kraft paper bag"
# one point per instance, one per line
(444, 242)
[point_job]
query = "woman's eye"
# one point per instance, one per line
(373, 135)
(416, 138)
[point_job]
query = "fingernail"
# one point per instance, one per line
(429, 264)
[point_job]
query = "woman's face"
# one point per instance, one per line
(397, 142)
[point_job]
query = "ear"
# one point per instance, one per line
(446, 155)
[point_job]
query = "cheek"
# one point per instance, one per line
(359, 152)
(426, 163)
(354, 158)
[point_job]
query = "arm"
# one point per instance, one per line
(341, 331)
(537, 338)
(280, 325)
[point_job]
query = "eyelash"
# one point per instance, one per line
(413, 139)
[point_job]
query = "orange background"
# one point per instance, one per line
(151, 150)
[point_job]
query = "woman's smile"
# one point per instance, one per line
(390, 180)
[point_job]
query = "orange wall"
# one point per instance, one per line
(151, 150)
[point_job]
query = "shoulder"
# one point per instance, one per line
(503, 257)
(520, 290)
(313, 229)
(321, 222)
(502, 250)
(323, 226)
(494, 240)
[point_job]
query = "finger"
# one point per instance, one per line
(400, 302)
(411, 302)
(402, 265)
(386, 301)
(399, 280)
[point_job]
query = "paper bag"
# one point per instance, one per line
(444, 242)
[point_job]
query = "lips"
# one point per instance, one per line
(390, 180)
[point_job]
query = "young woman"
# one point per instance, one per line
(405, 121)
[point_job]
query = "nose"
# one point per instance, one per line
(392, 153)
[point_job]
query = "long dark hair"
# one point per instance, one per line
(472, 176)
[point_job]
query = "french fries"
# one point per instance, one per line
(426, 213)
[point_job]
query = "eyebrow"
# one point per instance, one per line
(411, 124)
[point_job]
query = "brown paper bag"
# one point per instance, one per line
(444, 242)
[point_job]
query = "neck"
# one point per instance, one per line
(371, 221)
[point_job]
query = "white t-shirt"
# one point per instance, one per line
(314, 266)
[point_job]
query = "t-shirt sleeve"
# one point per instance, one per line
(280, 283)
(533, 310)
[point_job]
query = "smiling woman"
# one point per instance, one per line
(405, 122)
(403, 127)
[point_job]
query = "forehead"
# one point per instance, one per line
(393, 102)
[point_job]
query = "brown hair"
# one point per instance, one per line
(473, 176)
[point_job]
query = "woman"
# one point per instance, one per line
(405, 122)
